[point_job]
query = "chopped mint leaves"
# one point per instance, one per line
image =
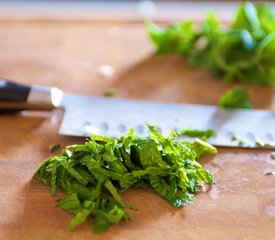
(94, 174)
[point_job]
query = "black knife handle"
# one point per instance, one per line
(16, 96)
(11, 91)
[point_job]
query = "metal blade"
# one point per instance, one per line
(86, 115)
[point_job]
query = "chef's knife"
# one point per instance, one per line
(86, 115)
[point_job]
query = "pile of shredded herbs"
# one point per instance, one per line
(93, 175)
(244, 51)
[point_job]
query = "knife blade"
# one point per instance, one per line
(86, 115)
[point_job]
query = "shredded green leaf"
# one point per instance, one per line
(195, 133)
(236, 98)
(94, 174)
(244, 51)
(110, 92)
(54, 147)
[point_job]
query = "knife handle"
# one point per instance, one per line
(17, 96)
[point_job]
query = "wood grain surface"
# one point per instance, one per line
(69, 55)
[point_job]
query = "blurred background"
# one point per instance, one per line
(133, 9)
(89, 47)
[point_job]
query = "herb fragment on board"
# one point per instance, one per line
(259, 143)
(269, 172)
(234, 138)
(202, 134)
(54, 147)
(241, 143)
(94, 174)
(273, 155)
(236, 98)
(110, 92)
(244, 51)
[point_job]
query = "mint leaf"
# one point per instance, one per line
(244, 51)
(94, 174)
(236, 98)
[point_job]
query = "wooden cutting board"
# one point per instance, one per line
(69, 55)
